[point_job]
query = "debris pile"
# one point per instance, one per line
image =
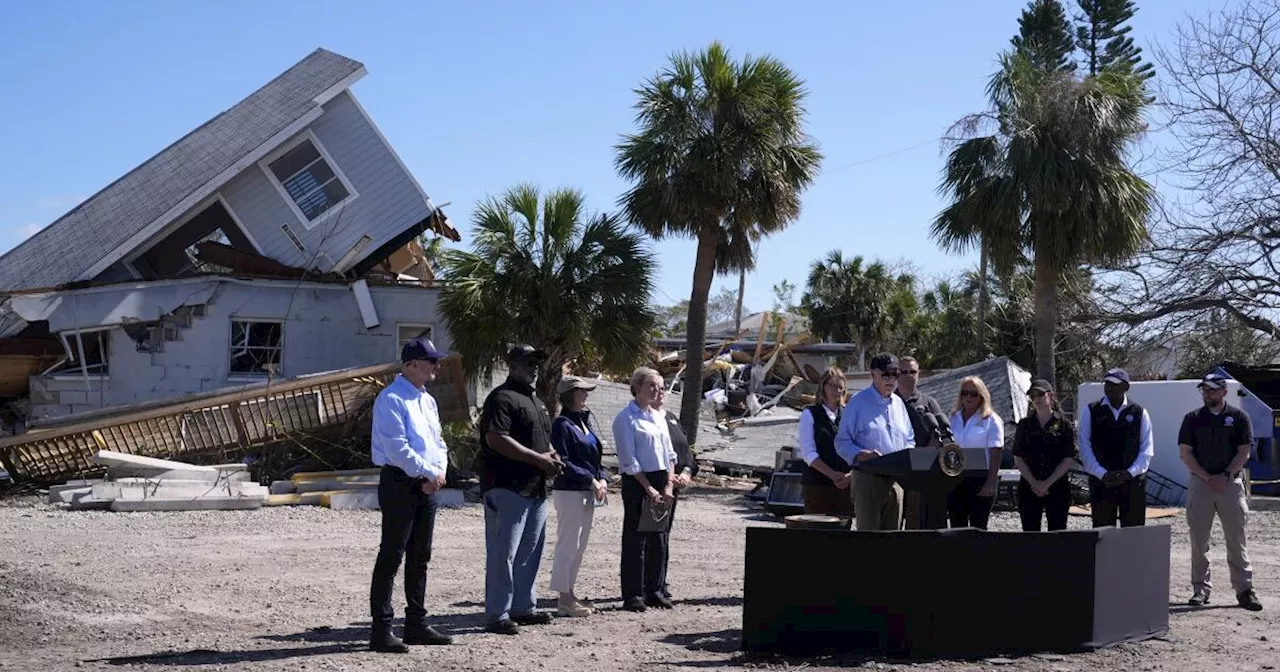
(137, 483)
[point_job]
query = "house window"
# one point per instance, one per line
(97, 349)
(256, 347)
(308, 177)
(408, 332)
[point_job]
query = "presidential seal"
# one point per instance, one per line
(951, 459)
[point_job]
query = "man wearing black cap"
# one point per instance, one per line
(515, 461)
(1215, 441)
(874, 423)
(1115, 450)
(408, 444)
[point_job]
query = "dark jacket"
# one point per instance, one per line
(680, 443)
(579, 450)
(512, 409)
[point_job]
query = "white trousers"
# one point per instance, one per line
(574, 512)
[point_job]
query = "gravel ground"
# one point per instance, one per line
(286, 588)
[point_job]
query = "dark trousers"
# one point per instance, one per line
(1053, 506)
(644, 554)
(965, 508)
(1126, 502)
(825, 499)
(408, 521)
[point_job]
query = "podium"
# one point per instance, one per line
(930, 472)
(954, 593)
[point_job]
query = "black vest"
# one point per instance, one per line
(824, 437)
(1115, 441)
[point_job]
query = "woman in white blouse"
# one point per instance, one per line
(975, 425)
(647, 462)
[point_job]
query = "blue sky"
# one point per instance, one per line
(479, 96)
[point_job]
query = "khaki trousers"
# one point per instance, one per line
(877, 502)
(1232, 507)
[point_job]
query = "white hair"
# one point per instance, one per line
(642, 374)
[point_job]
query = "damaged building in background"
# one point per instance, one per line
(279, 239)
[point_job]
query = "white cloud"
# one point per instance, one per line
(30, 229)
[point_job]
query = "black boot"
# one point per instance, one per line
(383, 640)
(425, 635)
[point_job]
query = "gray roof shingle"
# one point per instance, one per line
(62, 251)
(1006, 381)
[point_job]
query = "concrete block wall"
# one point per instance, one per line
(323, 331)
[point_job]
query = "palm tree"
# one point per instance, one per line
(547, 273)
(847, 302)
(1051, 181)
(721, 157)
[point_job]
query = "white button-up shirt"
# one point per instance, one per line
(1146, 446)
(978, 432)
(808, 447)
(642, 440)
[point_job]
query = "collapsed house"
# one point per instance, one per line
(277, 240)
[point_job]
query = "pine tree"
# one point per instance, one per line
(1044, 34)
(1104, 39)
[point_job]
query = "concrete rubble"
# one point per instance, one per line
(137, 483)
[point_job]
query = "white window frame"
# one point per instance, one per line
(308, 136)
(73, 356)
(411, 325)
(238, 375)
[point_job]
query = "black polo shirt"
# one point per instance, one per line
(918, 405)
(1214, 437)
(512, 409)
(1044, 447)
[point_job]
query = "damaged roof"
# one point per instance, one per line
(99, 226)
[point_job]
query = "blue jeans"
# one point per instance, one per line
(514, 533)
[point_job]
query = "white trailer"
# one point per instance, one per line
(1166, 401)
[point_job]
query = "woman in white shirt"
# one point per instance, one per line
(647, 462)
(975, 425)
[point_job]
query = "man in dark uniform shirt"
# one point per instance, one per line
(515, 461)
(919, 405)
(1215, 441)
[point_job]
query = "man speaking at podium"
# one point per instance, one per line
(875, 422)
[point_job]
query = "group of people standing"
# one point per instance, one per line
(525, 459)
(1114, 446)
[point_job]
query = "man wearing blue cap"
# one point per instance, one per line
(407, 443)
(1215, 441)
(1115, 450)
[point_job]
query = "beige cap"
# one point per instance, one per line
(573, 383)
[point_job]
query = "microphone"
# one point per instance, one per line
(943, 425)
(930, 423)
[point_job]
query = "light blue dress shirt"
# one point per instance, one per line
(643, 440)
(407, 432)
(871, 421)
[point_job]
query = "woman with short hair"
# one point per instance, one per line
(647, 462)
(974, 424)
(575, 491)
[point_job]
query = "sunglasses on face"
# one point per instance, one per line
(889, 374)
(909, 372)
(969, 393)
(1036, 395)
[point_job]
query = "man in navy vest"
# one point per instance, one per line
(1116, 450)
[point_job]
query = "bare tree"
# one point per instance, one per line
(1217, 246)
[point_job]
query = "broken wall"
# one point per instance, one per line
(322, 331)
(386, 199)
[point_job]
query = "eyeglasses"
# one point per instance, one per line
(889, 374)
(969, 393)
(1036, 395)
(909, 372)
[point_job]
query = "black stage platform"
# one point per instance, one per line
(953, 593)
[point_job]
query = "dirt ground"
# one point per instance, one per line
(287, 588)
